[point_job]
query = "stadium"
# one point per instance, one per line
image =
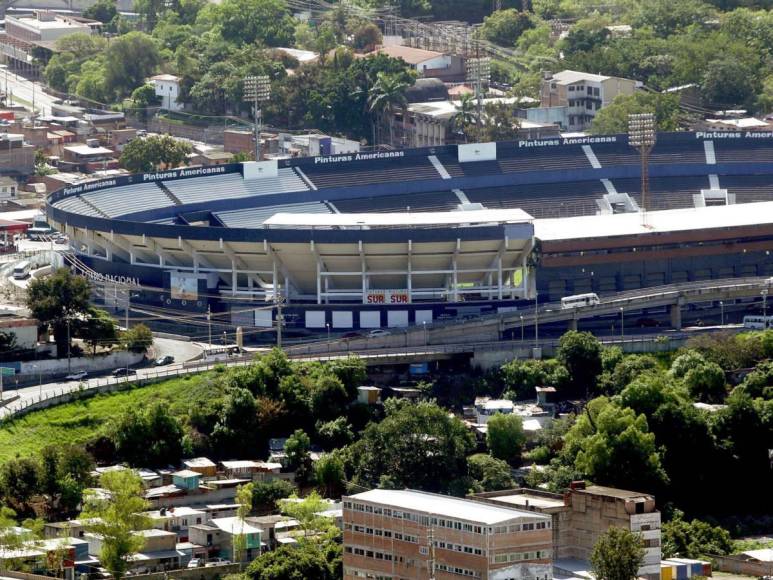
(397, 238)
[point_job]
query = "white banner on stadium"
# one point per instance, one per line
(184, 287)
(386, 297)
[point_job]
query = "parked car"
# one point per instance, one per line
(163, 360)
(378, 332)
(76, 376)
(196, 563)
(124, 372)
(216, 562)
(350, 335)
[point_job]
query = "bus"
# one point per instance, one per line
(758, 322)
(580, 300)
(38, 234)
(21, 270)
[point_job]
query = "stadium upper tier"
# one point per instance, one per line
(546, 178)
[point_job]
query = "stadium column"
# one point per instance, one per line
(676, 313)
(499, 276)
(234, 277)
(409, 280)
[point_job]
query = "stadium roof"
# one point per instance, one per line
(452, 218)
(673, 220)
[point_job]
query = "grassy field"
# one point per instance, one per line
(81, 421)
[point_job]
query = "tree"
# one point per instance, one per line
(97, 329)
(385, 95)
(267, 22)
(335, 433)
(145, 98)
(244, 497)
(57, 299)
(490, 474)
(64, 471)
(102, 10)
(505, 437)
(465, 116)
(266, 494)
(685, 362)
(351, 371)
(665, 17)
(147, 437)
(308, 512)
(367, 36)
(139, 338)
(19, 481)
(504, 27)
(617, 555)
(416, 445)
(694, 539)
(328, 397)
(307, 560)
(154, 152)
(329, 474)
(117, 518)
(759, 382)
(297, 448)
(580, 353)
(129, 60)
(520, 377)
(706, 383)
(614, 117)
(613, 446)
(728, 82)
(237, 425)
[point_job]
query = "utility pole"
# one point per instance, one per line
(642, 136)
(256, 90)
(209, 325)
(69, 347)
(280, 319)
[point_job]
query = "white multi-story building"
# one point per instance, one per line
(168, 88)
(583, 94)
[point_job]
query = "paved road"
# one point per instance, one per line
(182, 351)
(20, 91)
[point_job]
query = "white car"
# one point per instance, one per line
(216, 562)
(77, 376)
(196, 563)
(378, 332)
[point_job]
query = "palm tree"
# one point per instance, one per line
(387, 93)
(466, 114)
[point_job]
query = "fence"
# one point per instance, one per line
(740, 564)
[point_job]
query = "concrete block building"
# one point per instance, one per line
(414, 534)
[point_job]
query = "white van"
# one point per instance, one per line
(580, 300)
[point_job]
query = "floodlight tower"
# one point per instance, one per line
(642, 136)
(256, 90)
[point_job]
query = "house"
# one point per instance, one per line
(25, 330)
(16, 156)
(427, 63)
(168, 90)
(582, 515)
(202, 465)
(87, 157)
(177, 520)
(218, 537)
(250, 469)
(583, 94)
(186, 479)
(486, 407)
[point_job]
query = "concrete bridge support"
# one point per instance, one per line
(676, 314)
(573, 324)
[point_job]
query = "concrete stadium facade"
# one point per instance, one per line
(405, 237)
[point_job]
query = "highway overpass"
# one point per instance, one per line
(489, 329)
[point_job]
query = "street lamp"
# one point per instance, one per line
(721, 313)
(256, 90)
(622, 323)
(536, 320)
(327, 326)
(424, 324)
(642, 136)
(764, 293)
(522, 329)
(40, 379)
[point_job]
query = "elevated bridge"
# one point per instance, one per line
(489, 329)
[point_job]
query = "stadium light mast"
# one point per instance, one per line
(642, 136)
(256, 90)
(478, 74)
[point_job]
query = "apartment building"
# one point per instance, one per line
(396, 534)
(583, 95)
(580, 516)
